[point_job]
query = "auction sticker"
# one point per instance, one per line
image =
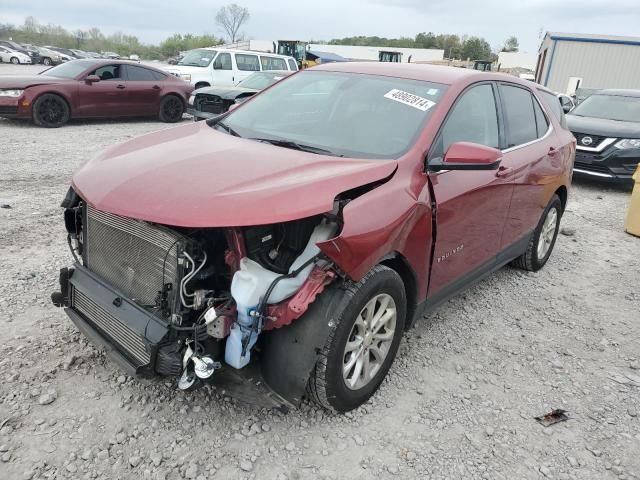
(410, 99)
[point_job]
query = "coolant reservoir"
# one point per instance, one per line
(251, 282)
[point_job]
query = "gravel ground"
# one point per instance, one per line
(459, 401)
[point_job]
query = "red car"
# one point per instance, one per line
(91, 88)
(313, 224)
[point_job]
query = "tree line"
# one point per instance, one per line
(94, 40)
(230, 19)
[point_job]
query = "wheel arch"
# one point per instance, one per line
(563, 194)
(53, 92)
(398, 263)
(175, 94)
(202, 85)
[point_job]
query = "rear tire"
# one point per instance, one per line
(543, 239)
(14, 60)
(171, 109)
(368, 330)
(50, 111)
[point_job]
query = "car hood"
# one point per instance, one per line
(21, 81)
(184, 69)
(603, 127)
(195, 176)
(228, 93)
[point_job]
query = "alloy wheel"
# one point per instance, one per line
(51, 111)
(172, 108)
(547, 232)
(369, 341)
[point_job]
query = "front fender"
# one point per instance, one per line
(387, 219)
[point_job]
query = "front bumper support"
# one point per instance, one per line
(129, 333)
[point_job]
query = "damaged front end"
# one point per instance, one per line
(179, 301)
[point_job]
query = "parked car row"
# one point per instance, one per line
(25, 53)
(93, 88)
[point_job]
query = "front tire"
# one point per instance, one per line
(46, 61)
(361, 348)
(171, 109)
(543, 239)
(50, 111)
(14, 60)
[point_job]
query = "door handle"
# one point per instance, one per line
(504, 172)
(121, 87)
(156, 87)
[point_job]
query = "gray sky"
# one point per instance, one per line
(495, 20)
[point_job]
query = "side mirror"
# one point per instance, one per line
(566, 107)
(92, 79)
(217, 65)
(468, 156)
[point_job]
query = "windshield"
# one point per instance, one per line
(345, 114)
(260, 81)
(612, 107)
(198, 58)
(68, 70)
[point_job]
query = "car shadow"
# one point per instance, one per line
(20, 123)
(600, 185)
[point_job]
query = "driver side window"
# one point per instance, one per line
(222, 62)
(108, 72)
(474, 118)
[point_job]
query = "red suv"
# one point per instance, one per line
(309, 227)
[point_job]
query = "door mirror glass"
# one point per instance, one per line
(468, 156)
(92, 79)
(566, 102)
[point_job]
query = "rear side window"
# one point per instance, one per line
(247, 62)
(553, 103)
(520, 117)
(542, 124)
(140, 74)
(292, 64)
(474, 118)
(273, 63)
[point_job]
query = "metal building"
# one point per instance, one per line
(567, 61)
(357, 52)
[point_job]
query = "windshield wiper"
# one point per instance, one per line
(227, 128)
(297, 146)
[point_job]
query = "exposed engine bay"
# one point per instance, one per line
(208, 293)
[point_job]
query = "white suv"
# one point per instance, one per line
(205, 67)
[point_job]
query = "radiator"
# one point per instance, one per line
(132, 256)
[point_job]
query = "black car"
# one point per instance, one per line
(208, 102)
(64, 51)
(607, 130)
(35, 56)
